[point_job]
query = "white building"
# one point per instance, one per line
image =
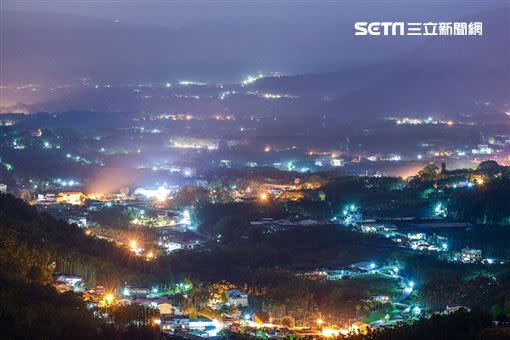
(237, 298)
(200, 323)
(165, 308)
(174, 322)
(471, 255)
(79, 221)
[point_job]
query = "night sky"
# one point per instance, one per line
(223, 40)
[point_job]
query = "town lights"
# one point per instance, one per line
(440, 210)
(108, 298)
(320, 322)
(150, 255)
(157, 322)
(263, 196)
(133, 245)
(330, 332)
(186, 217)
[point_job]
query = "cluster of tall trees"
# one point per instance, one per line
(486, 204)
(32, 245)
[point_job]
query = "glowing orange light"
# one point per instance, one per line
(133, 244)
(108, 298)
(263, 196)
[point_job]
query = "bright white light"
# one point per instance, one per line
(336, 162)
(126, 292)
(160, 193)
(186, 218)
(251, 79)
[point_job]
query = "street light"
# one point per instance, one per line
(108, 298)
(133, 244)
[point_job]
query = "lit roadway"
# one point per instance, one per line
(407, 291)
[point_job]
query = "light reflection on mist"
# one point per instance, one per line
(111, 180)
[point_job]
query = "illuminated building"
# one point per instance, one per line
(72, 197)
(471, 255)
(482, 149)
(237, 298)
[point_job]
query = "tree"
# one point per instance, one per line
(188, 196)
(133, 315)
(288, 321)
(429, 172)
(489, 166)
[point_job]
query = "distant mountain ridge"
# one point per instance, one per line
(443, 74)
